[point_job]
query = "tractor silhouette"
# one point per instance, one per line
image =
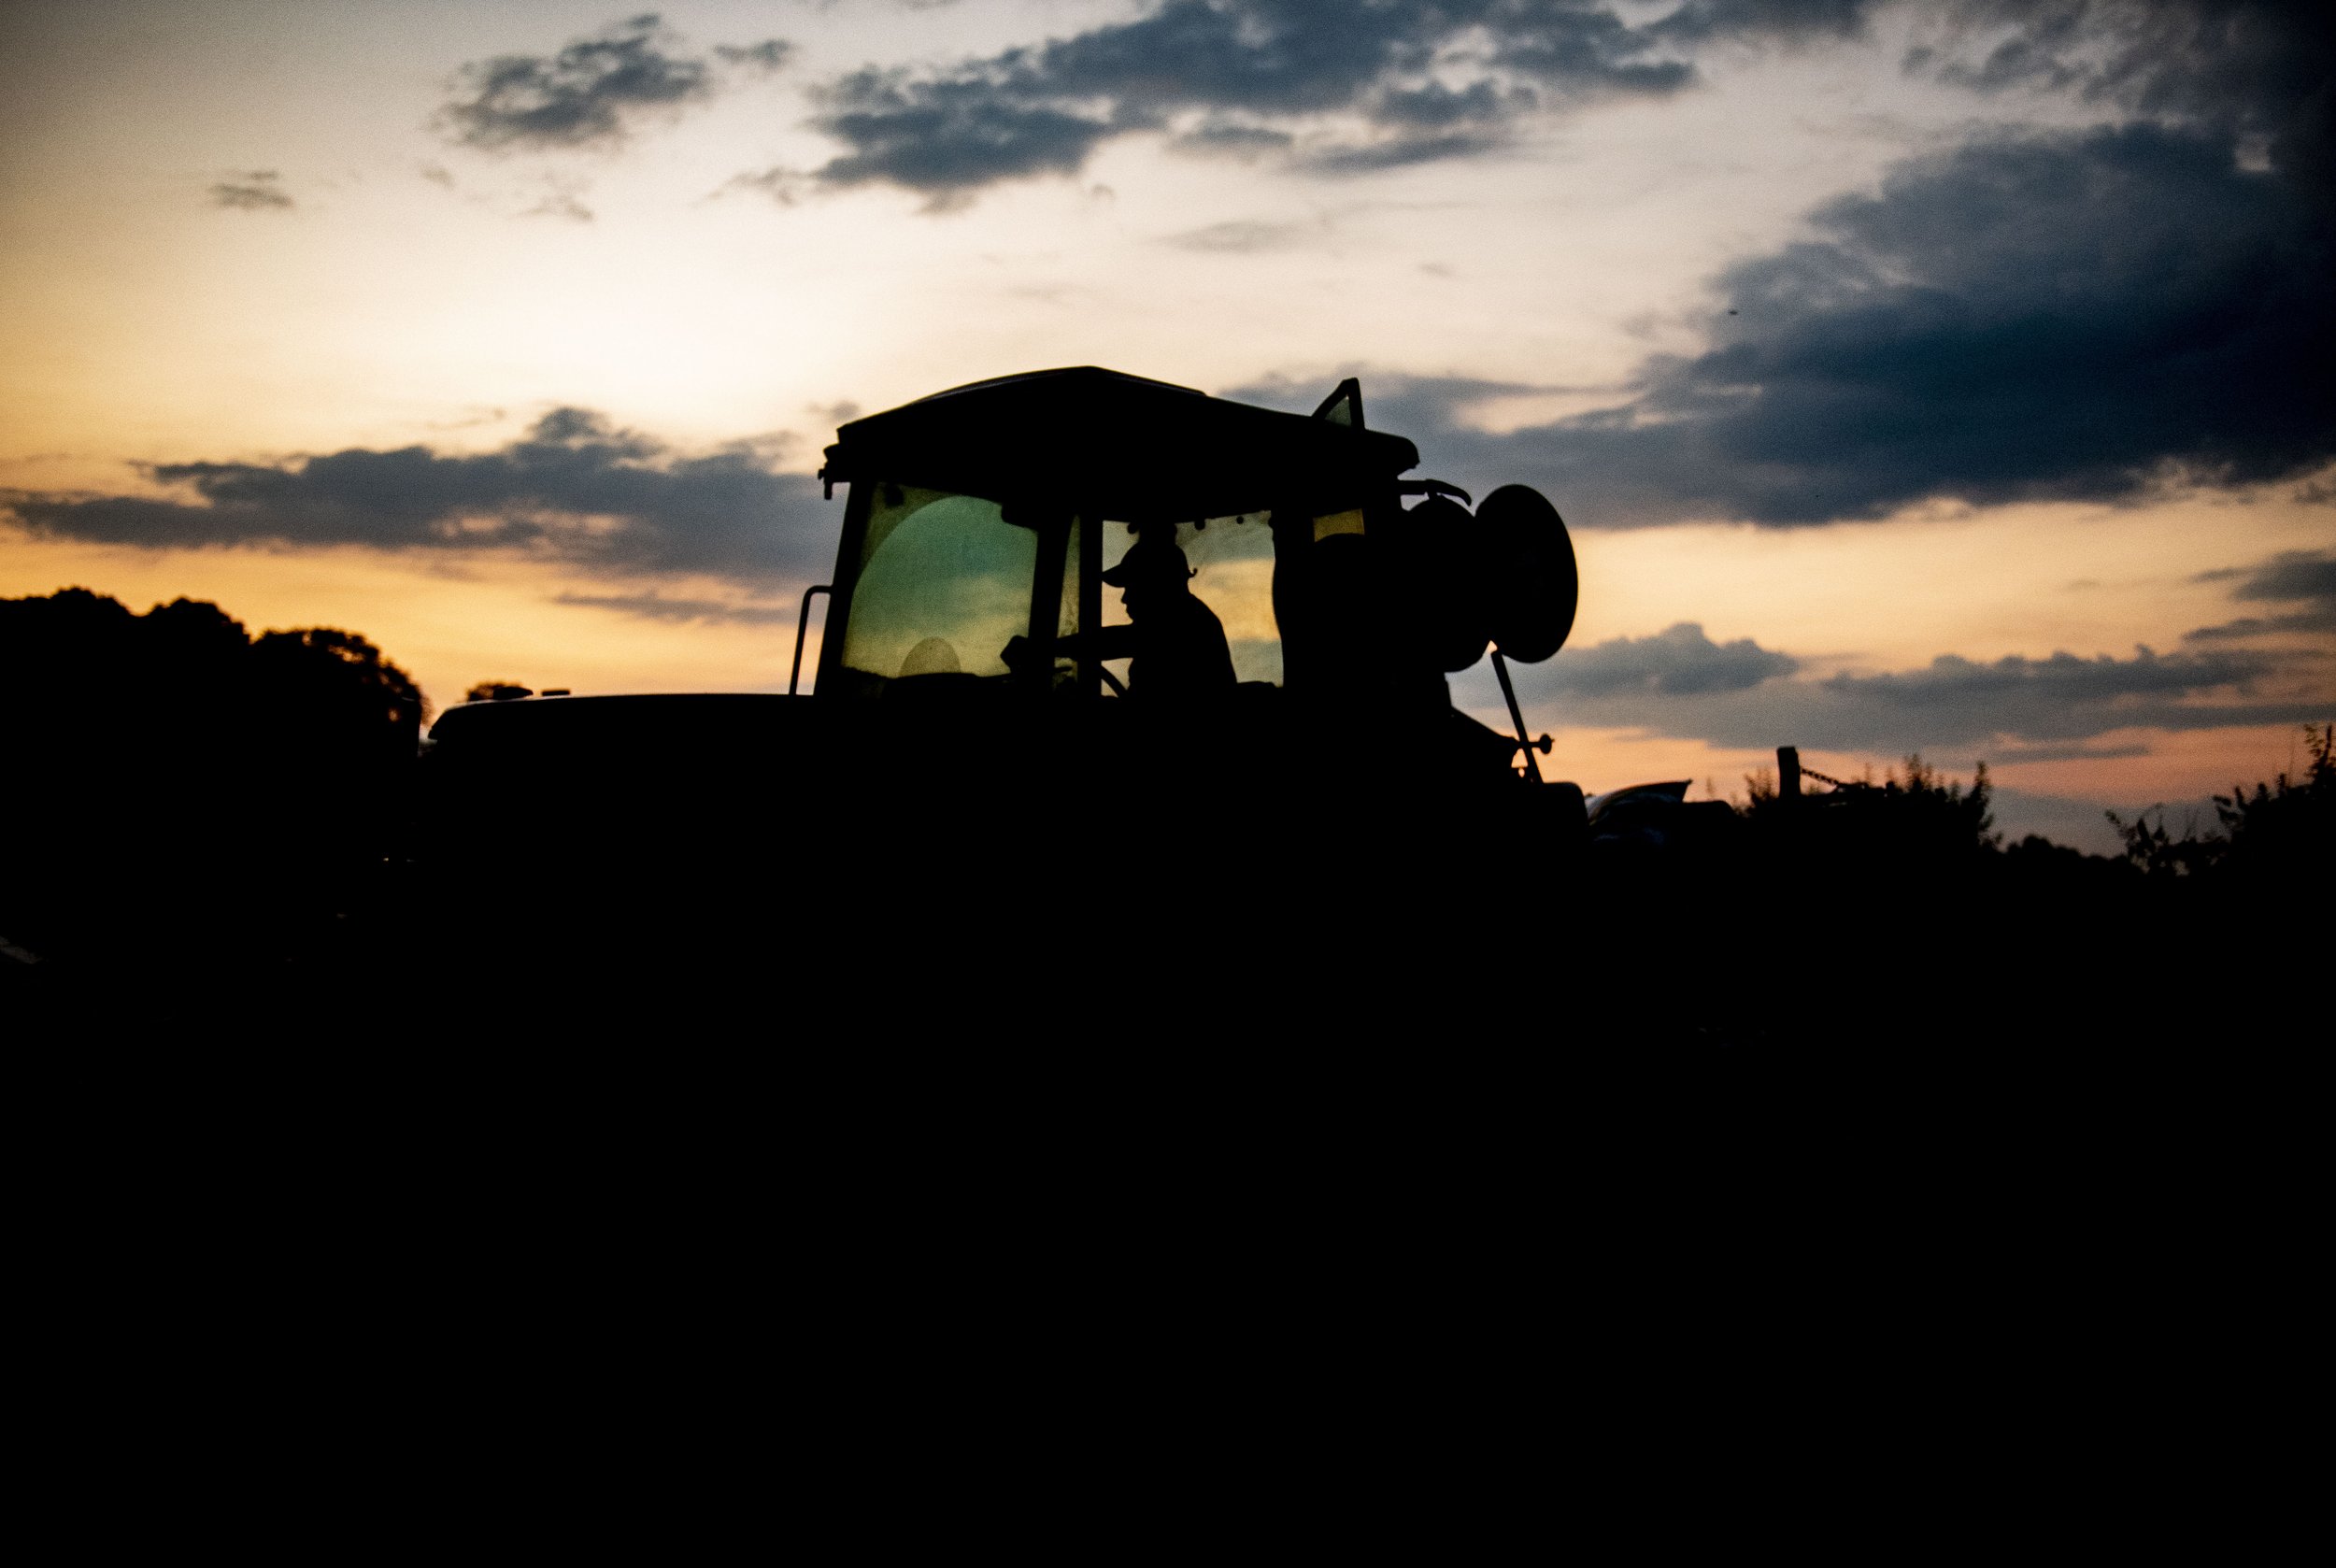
(1108, 664)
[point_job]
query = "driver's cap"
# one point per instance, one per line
(1153, 558)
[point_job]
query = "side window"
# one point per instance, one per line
(1231, 559)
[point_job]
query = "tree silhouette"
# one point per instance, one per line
(327, 671)
(195, 787)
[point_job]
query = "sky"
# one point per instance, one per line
(1949, 378)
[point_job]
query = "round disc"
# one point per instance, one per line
(1528, 575)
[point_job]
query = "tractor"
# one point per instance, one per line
(1107, 664)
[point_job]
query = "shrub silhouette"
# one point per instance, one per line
(2281, 833)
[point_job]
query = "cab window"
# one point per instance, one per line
(944, 583)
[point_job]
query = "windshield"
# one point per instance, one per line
(944, 583)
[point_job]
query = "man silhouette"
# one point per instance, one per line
(1178, 643)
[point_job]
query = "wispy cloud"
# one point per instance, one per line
(686, 612)
(1245, 236)
(253, 191)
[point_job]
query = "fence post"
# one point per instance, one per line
(1789, 772)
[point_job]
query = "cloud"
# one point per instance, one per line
(770, 55)
(781, 185)
(2070, 317)
(1736, 694)
(562, 198)
(593, 93)
(1395, 152)
(1681, 683)
(575, 490)
(2233, 66)
(2081, 315)
(255, 190)
(684, 612)
(945, 138)
(1247, 236)
(2289, 576)
(1681, 661)
(1419, 80)
(2305, 577)
(1774, 21)
(1233, 138)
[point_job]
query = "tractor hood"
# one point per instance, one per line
(1141, 451)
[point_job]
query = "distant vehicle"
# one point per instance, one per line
(1101, 654)
(1644, 818)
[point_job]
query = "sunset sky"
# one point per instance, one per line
(1950, 377)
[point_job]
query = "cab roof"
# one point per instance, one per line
(1138, 449)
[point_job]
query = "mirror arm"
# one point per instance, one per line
(803, 622)
(1516, 716)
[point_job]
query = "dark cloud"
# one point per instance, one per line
(2302, 577)
(945, 138)
(1774, 20)
(574, 489)
(255, 190)
(1437, 107)
(1584, 51)
(1427, 79)
(1736, 694)
(2024, 695)
(2258, 75)
(2236, 66)
(2073, 315)
(1679, 661)
(1394, 152)
(2079, 317)
(592, 93)
(2289, 576)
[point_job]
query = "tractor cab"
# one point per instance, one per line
(1080, 536)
